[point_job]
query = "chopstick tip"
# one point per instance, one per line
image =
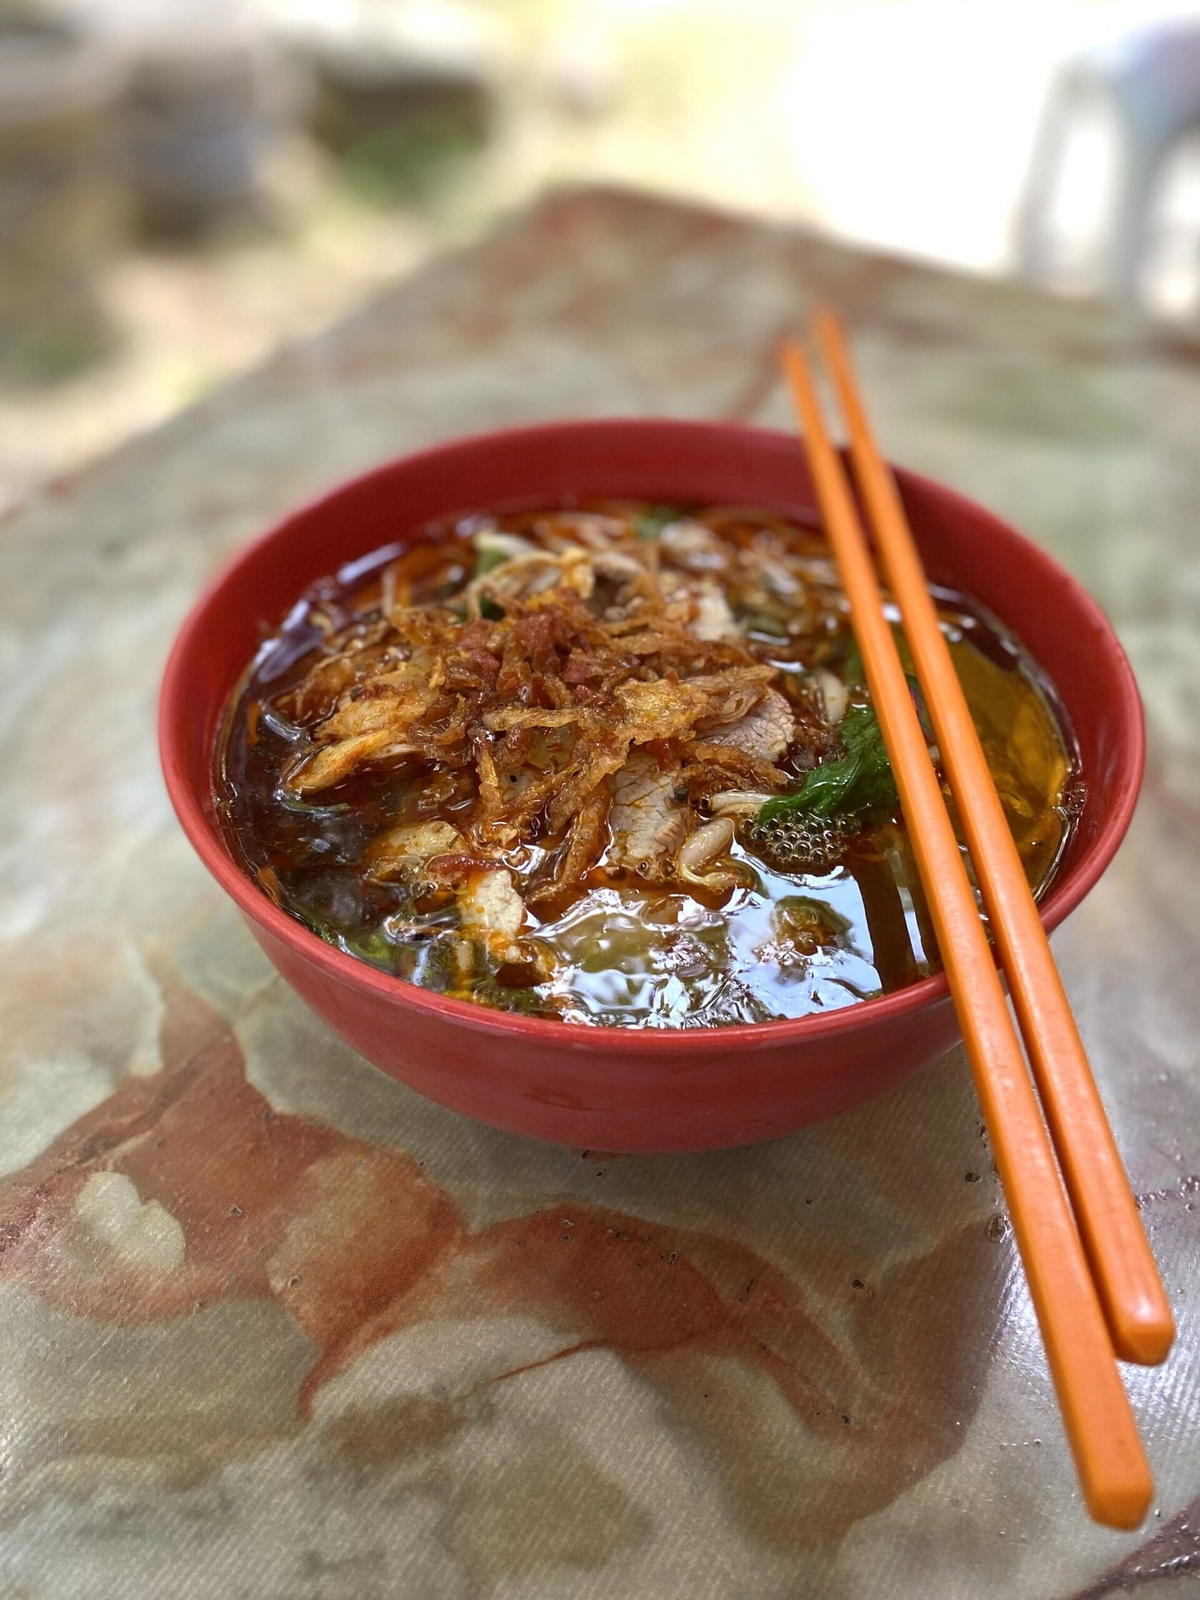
(1144, 1336)
(1123, 1505)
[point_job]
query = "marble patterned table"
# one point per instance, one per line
(275, 1329)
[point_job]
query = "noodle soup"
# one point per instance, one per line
(614, 764)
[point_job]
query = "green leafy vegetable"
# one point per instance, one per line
(764, 624)
(488, 557)
(854, 676)
(654, 519)
(489, 610)
(855, 785)
(853, 671)
(371, 945)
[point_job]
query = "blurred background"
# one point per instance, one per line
(184, 184)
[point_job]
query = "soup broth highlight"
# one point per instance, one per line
(610, 765)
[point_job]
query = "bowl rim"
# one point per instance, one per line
(200, 826)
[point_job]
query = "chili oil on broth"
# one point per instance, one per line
(392, 862)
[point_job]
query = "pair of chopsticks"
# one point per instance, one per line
(1092, 1277)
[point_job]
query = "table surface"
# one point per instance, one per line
(274, 1327)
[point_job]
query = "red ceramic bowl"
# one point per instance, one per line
(617, 1089)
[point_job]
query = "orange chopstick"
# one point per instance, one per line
(1108, 1454)
(1131, 1290)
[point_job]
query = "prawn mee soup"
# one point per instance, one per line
(614, 764)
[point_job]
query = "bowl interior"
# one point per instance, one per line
(962, 545)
